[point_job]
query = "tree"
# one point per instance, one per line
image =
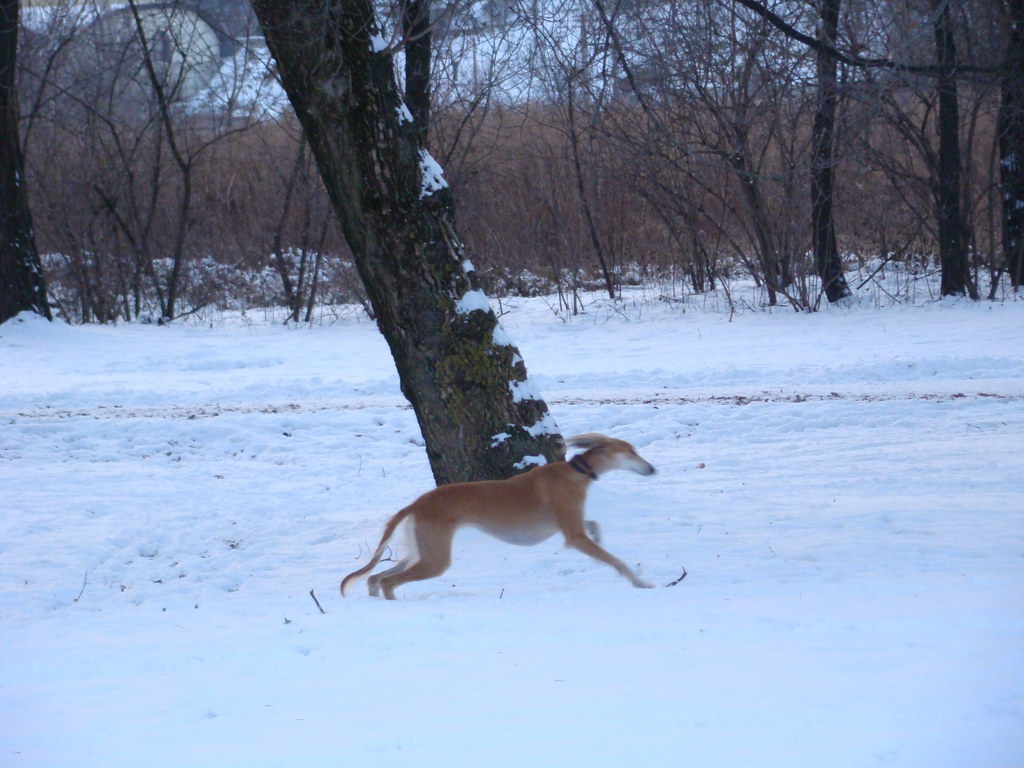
(956, 273)
(823, 229)
(565, 60)
(417, 35)
(21, 276)
(953, 256)
(1011, 144)
(466, 382)
(719, 96)
(126, 117)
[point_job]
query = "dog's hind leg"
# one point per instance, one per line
(373, 583)
(434, 547)
(412, 555)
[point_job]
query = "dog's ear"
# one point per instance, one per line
(586, 441)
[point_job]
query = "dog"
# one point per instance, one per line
(525, 510)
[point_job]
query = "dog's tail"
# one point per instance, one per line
(389, 531)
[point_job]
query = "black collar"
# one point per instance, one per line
(580, 465)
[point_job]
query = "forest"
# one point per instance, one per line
(588, 145)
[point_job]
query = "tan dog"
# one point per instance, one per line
(526, 510)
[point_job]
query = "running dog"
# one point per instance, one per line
(525, 509)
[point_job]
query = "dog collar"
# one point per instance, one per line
(580, 465)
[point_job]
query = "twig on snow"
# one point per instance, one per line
(85, 580)
(313, 595)
(673, 583)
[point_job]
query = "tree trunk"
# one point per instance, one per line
(956, 274)
(581, 189)
(416, 33)
(771, 267)
(184, 164)
(292, 294)
(466, 382)
(1011, 145)
(826, 249)
(21, 274)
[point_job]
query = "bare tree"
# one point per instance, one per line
(945, 160)
(21, 276)
(567, 64)
(1011, 144)
(466, 381)
(823, 228)
(956, 271)
(720, 93)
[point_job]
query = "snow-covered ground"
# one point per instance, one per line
(844, 490)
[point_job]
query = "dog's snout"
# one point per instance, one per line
(643, 467)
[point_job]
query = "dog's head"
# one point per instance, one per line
(605, 453)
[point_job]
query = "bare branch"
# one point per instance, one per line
(853, 60)
(313, 595)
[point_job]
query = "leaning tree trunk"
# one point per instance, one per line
(826, 249)
(465, 380)
(1011, 145)
(956, 273)
(21, 275)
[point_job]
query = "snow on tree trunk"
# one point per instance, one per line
(466, 381)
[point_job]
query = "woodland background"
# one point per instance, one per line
(673, 147)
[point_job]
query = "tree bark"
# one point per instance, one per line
(826, 249)
(1011, 145)
(465, 380)
(21, 275)
(416, 34)
(956, 273)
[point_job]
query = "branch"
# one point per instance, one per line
(313, 595)
(161, 97)
(192, 311)
(85, 580)
(825, 47)
(673, 583)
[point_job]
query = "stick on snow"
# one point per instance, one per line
(313, 595)
(673, 583)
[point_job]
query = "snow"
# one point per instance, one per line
(404, 115)
(843, 490)
(524, 390)
(432, 175)
(472, 301)
(531, 461)
(545, 425)
(501, 338)
(243, 88)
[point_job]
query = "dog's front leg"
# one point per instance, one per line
(588, 546)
